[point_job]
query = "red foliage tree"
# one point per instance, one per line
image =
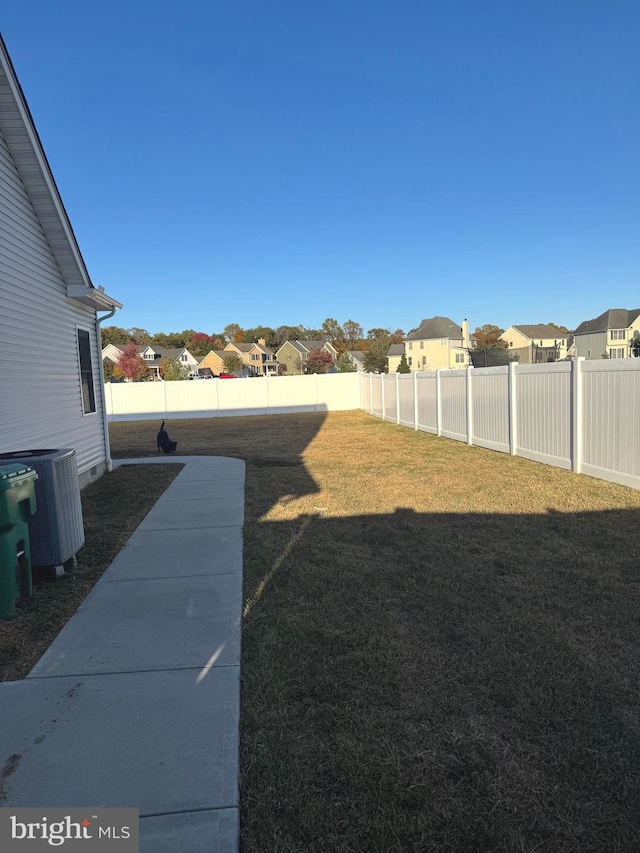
(131, 364)
(318, 361)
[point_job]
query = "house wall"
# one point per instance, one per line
(591, 346)
(289, 356)
(214, 362)
(435, 353)
(528, 354)
(39, 363)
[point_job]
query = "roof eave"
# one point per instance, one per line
(92, 297)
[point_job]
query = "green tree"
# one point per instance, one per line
(403, 367)
(351, 332)
(562, 329)
(318, 361)
(376, 334)
(344, 364)
(488, 337)
(251, 336)
(233, 333)
(331, 330)
(139, 336)
(233, 364)
(375, 356)
(107, 369)
(173, 370)
(113, 335)
(287, 333)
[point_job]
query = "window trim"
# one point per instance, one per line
(82, 371)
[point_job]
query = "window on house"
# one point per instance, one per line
(616, 352)
(288, 358)
(421, 344)
(183, 357)
(410, 344)
(459, 358)
(424, 360)
(618, 334)
(86, 372)
(409, 361)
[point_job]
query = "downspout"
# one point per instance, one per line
(105, 423)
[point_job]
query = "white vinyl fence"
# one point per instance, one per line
(207, 398)
(580, 415)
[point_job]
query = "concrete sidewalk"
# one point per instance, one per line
(136, 702)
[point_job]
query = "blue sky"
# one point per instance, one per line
(272, 163)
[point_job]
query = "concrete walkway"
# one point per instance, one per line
(136, 702)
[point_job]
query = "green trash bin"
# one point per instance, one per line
(17, 505)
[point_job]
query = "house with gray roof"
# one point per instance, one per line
(438, 342)
(611, 335)
(153, 355)
(394, 356)
(536, 343)
(292, 355)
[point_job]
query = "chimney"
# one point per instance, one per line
(262, 342)
(465, 334)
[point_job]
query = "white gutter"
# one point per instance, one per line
(105, 422)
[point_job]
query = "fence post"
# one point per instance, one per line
(438, 403)
(266, 379)
(512, 409)
(371, 393)
(415, 399)
(576, 414)
(397, 398)
(317, 391)
(469, 407)
(382, 392)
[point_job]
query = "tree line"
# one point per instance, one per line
(347, 336)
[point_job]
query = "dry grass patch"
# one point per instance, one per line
(441, 646)
(112, 508)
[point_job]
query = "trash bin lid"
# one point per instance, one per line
(12, 474)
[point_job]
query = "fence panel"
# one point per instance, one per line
(490, 398)
(389, 397)
(189, 399)
(426, 383)
(336, 392)
(543, 404)
(365, 392)
(453, 386)
(611, 421)
(376, 393)
(231, 397)
(405, 392)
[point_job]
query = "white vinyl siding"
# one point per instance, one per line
(39, 364)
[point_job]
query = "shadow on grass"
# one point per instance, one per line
(442, 682)
(452, 681)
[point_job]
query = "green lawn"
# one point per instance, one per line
(440, 643)
(112, 508)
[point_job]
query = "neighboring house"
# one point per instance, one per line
(153, 355)
(213, 361)
(608, 335)
(438, 342)
(50, 367)
(293, 354)
(536, 344)
(356, 357)
(394, 356)
(258, 358)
